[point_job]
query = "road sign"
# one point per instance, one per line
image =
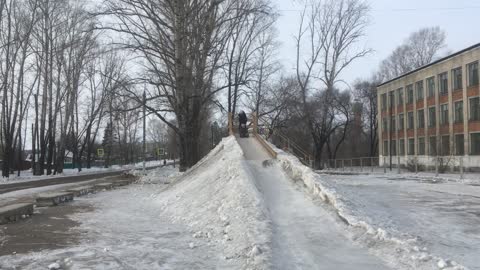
(160, 151)
(100, 152)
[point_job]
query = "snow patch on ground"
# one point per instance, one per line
(210, 217)
(404, 253)
(218, 200)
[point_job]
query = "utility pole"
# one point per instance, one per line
(392, 101)
(144, 128)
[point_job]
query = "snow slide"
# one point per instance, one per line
(218, 200)
(304, 234)
(399, 253)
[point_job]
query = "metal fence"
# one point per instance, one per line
(363, 164)
(456, 166)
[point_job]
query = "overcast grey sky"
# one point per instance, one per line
(391, 22)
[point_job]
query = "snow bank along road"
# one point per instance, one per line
(230, 211)
(57, 180)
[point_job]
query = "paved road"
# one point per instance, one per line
(5, 188)
(305, 235)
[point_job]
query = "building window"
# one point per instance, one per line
(443, 83)
(475, 144)
(432, 146)
(401, 121)
(475, 109)
(400, 96)
(385, 125)
(410, 120)
(393, 147)
(410, 94)
(385, 148)
(472, 74)
(459, 144)
(411, 146)
(421, 119)
(384, 101)
(419, 89)
(445, 145)
(432, 117)
(393, 125)
(421, 146)
(391, 97)
(443, 114)
(457, 78)
(431, 87)
(401, 147)
(458, 112)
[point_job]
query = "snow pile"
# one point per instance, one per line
(399, 253)
(218, 201)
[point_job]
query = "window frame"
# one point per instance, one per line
(401, 122)
(469, 79)
(443, 83)
(455, 136)
(455, 84)
(418, 118)
(434, 124)
(470, 118)
(456, 119)
(411, 153)
(430, 146)
(399, 96)
(421, 151)
(410, 94)
(471, 144)
(401, 147)
(430, 91)
(442, 150)
(420, 95)
(443, 121)
(412, 126)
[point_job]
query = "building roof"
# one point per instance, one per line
(431, 64)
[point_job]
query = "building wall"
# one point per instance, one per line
(451, 129)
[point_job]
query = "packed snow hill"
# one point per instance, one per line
(236, 209)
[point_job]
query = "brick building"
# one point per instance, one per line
(433, 111)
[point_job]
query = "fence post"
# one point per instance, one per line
(461, 167)
(416, 165)
(335, 164)
(371, 164)
(384, 164)
(361, 165)
(398, 164)
(436, 166)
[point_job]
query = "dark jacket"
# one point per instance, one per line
(242, 118)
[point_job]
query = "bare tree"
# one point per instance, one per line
(419, 49)
(16, 24)
(366, 93)
(330, 30)
(182, 43)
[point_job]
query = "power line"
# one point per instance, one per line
(405, 9)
